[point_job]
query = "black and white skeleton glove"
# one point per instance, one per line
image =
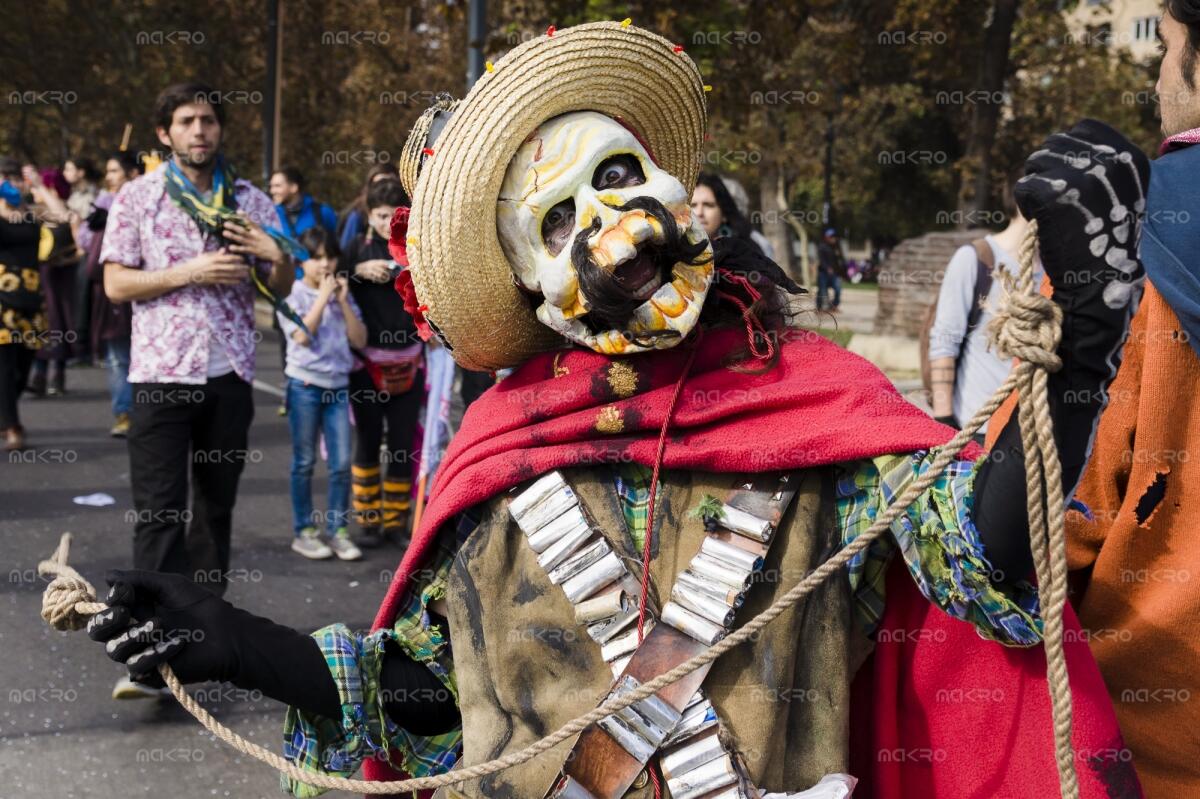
(1086, 189)
(156, 618)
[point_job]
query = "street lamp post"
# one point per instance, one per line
(476, 34)
(271, 106)
(827, 205)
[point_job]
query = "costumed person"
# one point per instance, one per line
(1132, 544)
(22, 305)
(551, 232)
(385, 393)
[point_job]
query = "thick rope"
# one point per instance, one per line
(1030, 325)
(1034, 341)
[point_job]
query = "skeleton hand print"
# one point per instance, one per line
(1087, 190)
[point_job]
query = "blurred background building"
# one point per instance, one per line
(1124, 24)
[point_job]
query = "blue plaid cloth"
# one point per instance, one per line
(338, 747)
(939, 543)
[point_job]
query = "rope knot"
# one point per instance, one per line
(1027, 326)
(69, 600)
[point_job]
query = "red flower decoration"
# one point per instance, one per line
(404, 287)
(398, 243)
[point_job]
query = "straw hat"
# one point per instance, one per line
(459, 271)
(413, 157)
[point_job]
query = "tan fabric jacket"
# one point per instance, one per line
(524, 668)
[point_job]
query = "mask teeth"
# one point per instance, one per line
(576, 308)
(668, 300)
(616, 245)
(641, 226)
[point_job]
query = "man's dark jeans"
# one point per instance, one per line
(826, 282)
(174, 426)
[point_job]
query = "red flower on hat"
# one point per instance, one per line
(398, 243)
(404, 287)
(398, 247)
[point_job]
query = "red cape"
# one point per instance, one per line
(820, 405)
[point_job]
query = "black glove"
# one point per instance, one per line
(156, 618)
(1086, 189)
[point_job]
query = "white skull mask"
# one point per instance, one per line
(570, 177)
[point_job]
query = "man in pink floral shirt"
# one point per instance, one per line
(192, 355)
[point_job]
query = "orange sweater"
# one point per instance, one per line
(1142, 485)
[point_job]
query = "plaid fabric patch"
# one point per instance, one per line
(632, 481)
(939, 543)
(334, 747)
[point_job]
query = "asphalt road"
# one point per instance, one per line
(61, 735)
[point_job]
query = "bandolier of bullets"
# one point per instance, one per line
(704, 600)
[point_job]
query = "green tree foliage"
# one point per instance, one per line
(356, 73)
(894, 78)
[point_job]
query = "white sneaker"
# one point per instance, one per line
(310, 545)
(343, 547)
(126, 688)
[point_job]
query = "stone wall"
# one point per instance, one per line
(910, 278)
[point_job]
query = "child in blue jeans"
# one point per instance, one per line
(318, 373)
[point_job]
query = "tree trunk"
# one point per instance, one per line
(773, 201)
(985, 117)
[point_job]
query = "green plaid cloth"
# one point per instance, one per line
(939, 543)
(338, 747)
(632, 481)
(935, 536)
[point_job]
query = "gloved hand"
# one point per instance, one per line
(1086, 189)
(156, 618)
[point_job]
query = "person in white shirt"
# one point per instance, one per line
(965, 372)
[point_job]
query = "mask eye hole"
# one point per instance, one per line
(618, 172)
(558, 224)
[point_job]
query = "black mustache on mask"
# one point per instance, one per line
(610, 304)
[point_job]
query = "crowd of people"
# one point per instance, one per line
(350, 355)
(349, 391)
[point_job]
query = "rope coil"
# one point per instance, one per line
(1026, 327)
